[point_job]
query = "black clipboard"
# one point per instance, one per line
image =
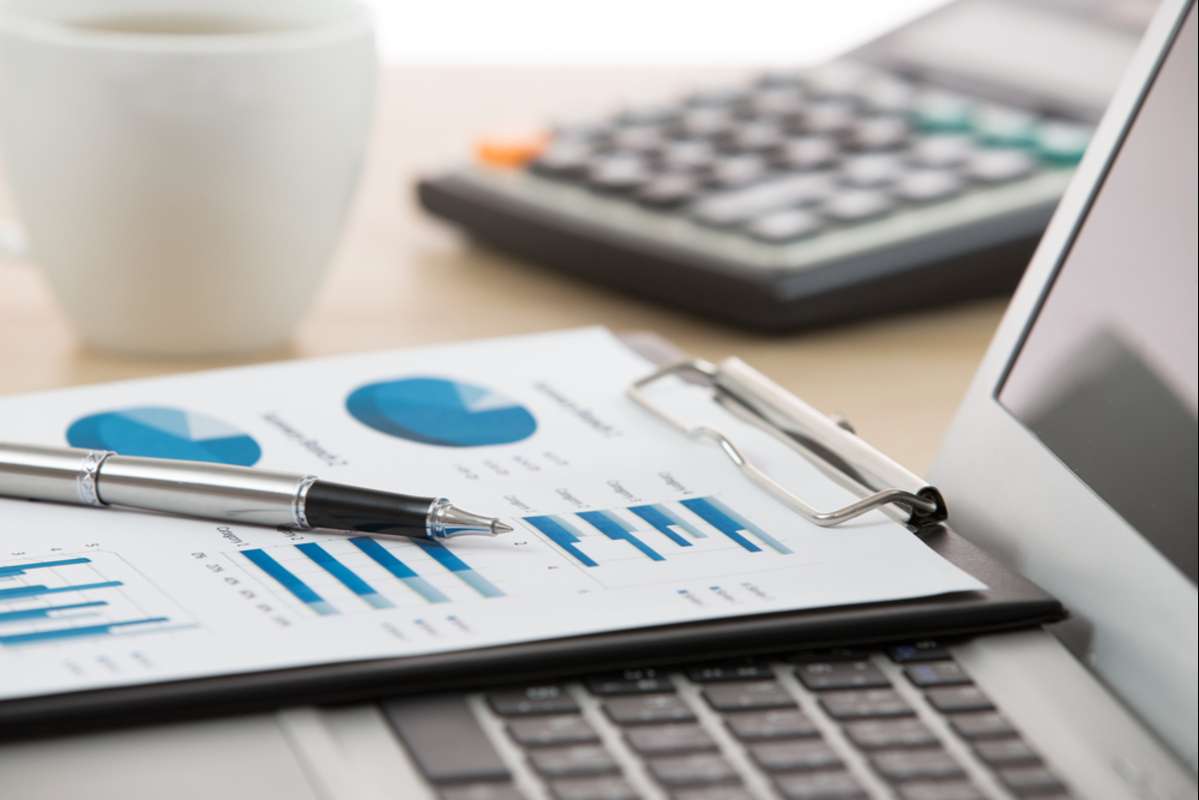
(1010, 602)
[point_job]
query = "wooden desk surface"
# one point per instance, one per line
(899, 379)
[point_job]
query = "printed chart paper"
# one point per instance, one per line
(620, 521)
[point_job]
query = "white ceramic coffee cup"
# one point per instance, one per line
(184, 191)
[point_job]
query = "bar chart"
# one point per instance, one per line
(346, 576)
(78, 596)
(693, 525)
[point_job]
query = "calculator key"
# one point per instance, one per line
(481, 791)
(687, 155)
(821, 676)
(753, 696)
(910, 765)
(648, 709)
(770, 725)
(606, 788)
(785, 226)
(883, 734)
(659, 740)
(889, 95)
(943, 150)
(953, 699)
(923, 650)
(694, 770)
(865, 704)
(549, 731)
(755, 137)
(617, 173)
(1062, 143)
(669, 191)
(798, 756)
(997, 166)
(879, 133)
(511, 151)
(830, 117)
(1030, 781)
(937, 673)
(648, 115)
(639, 139)
(927, 185)
(706, 123)
(779, 104)
(564, 159)
(873, 170)
(572, 762)
(940, 790)
(1005, 752)
(936, 110)
(712, 793)
(738, 171)
(808, 152)
(836, 785)
(782, 78)
(532, 700)
(732, 208)
(716, 98)
(857, 205)
(1007, 127)
(841, 79)
(631, 681)
(742, 669)
(985, 725)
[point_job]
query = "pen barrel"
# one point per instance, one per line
(55, 474)
(201, 489)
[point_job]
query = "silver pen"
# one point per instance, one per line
(101, 478)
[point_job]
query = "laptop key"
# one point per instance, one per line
(648, 709)
(751, 696)
(1030, 781)
(910, 765)
(573, 761)
(1006, 752)
(797, 756)
(481, 791)
(952, 699)
(771, 725)
(607, 788)
(836, 785)
(551, 731)
(736, 670)
(985, 725)
(695, 770)
(923, 650)
(660, 740)
(822, 676)
(445, 739)
(830, 654)
(712, 793)
(940, 790)
(631, 681)
(881, 734)
(937, 673)
(865, 704)
(531, 700)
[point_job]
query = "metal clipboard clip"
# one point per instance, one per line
(832, 446)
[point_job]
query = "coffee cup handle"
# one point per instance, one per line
(12, 241)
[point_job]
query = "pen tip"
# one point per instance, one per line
(499, 526)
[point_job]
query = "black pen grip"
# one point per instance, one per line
(352, 508)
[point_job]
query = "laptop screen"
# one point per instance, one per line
(1106, 376)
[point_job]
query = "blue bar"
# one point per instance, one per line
(44, 612)
(446, 558)
(617, 530)
(730, 523)
(19, 569)
(562, 535)
(302, 591)
(72, 633)
(662, 520)
(34, 591)
(345, 576)
(384, 558)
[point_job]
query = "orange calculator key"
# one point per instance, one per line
(512, 150)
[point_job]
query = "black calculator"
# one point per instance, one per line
(912, 172)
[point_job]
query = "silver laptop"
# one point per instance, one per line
(1073, 459)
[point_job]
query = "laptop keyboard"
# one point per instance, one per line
(904, 723)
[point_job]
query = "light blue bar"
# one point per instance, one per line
(19, 569)
(344, 575)
(73, 633)
(461, 570)
(45, 611)
(387, 560)
(664, 522)
(34, 591)
(425, 589)
(742, 523)
(288, 580)
(563, 535)
(617, 530)
(715, 516)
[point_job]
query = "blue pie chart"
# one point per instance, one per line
(440, 411)
(164, 432)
